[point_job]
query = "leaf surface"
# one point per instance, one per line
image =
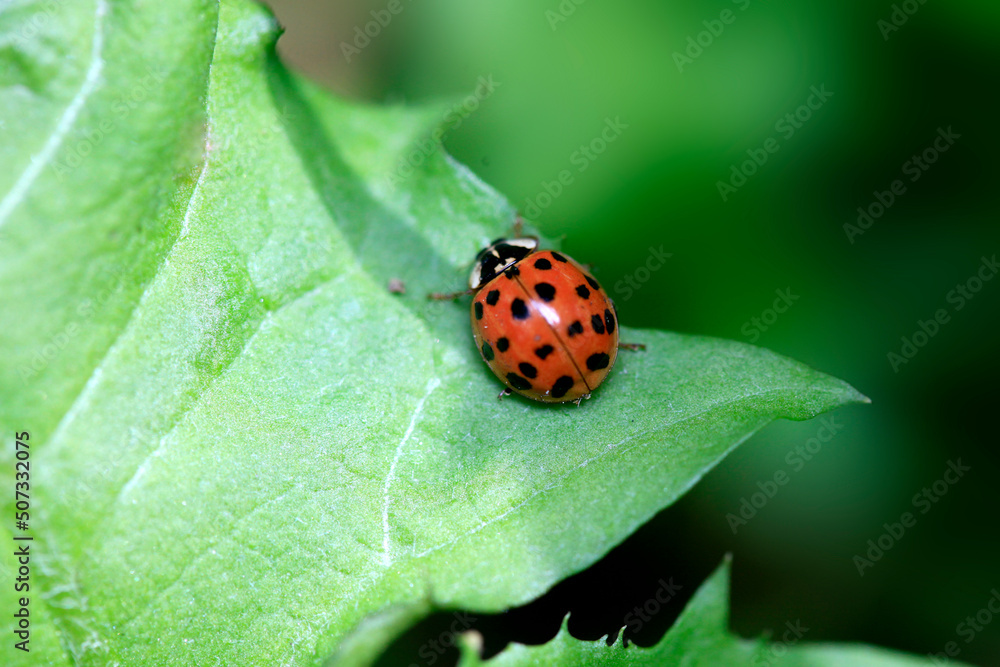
(245, 449)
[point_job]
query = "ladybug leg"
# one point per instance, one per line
(634, 347)
(580, 400)
(506, 392)
(448, 296)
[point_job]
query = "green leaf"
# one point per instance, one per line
(699, 638)
(244, 449)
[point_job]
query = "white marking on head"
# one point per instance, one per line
(530, 243)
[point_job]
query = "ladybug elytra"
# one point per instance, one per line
(541, 322)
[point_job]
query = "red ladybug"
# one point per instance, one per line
(541, 322)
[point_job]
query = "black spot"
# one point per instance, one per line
(583, 292)
(493, 297)
(559, 258)
(544, 351)
(562, 385)
(503, 344)
(518, 309)
(479, 311)
(543, 264)
(528, 370)
(518, 382)
(609, 320)
(593, 283)
(597, 323)
(546, 291)
(512, 272)
(596, 362)
(487, 351)
(575, 328)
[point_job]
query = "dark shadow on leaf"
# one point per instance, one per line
(637, 586)
(385, 245)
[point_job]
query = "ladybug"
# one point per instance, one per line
(541, 322)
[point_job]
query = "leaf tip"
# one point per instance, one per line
(855, 396)
(848, 395)
(611, 638)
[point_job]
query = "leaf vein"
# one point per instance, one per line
(17, 193)
(432, 384)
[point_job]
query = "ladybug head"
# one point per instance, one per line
(497, 256)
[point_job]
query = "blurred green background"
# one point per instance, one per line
(892, 77)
